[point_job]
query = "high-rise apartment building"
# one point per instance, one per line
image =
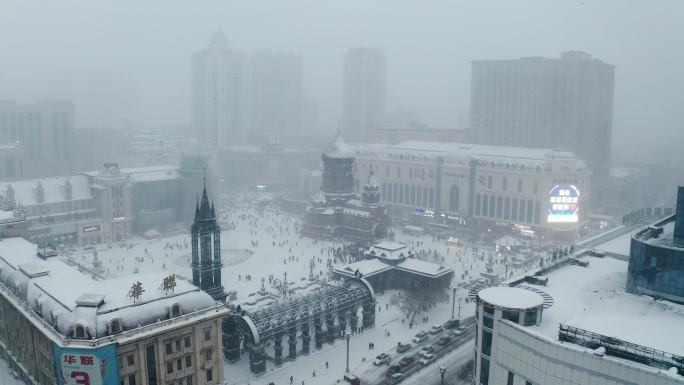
(276, 94)
(45, 133)
(363, 104)
(220, 94)
(540, 102)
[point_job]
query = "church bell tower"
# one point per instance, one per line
(206, 249)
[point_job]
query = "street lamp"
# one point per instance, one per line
(453, 303)
(442, 371)
(347, 335)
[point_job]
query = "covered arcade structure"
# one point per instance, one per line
(391, 265)
(326, 314)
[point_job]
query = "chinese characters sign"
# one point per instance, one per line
(563, 204)
(86, 366)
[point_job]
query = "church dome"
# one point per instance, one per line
(339, 150)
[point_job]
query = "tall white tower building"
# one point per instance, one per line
(363, 104)
(220, 94)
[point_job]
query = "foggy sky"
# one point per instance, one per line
(128, 62)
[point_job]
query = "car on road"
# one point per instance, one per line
(458, 332)
(436, 329)
(382, 359)
(352, 379)
(395, 379)
(407, 360)
(443, 340)
(420, 337)
(394, 368)
(428, 358)
(451, 324)
(427, 349)
(403, 347)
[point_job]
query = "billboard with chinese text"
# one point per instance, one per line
(81, 366)
(563, 204)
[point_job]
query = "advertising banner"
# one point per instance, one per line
(81, 366)
(563, 204)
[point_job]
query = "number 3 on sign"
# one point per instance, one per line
(81, 378)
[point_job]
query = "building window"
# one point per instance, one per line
(207, 355)
(478, 202)
(529, 211)
(521, 212)
(511, 315)
(489, 182)
(131, 379)
(130, 360)
(151, 363)
(432, 197)
(485, 205)
(510, 378)
(188, 361)
(413, 195)
(499, 207)
(507, 208)
(535, 187)
(169, 368)
(484, 371)
(187, 342)
(504, 184)
(398, 172)
(188, 380)
(179, 364)
(178, 345)
(169, 348)
(454, 195)
(537, 212)
(210, 375)
(520, 185)
(514, 209)
(486, 342)
(491, 206)
(207, 335)
(79, 331)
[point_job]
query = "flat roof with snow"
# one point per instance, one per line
(594, 298)
(511, 297)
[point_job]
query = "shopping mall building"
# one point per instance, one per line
(539, 192)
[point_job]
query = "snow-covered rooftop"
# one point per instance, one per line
(462, 152)
(339, 149)
(594, 298)
(64, 297)
(366, 267)
(421, 267)
(144, 174)
(54, 190)
(511, 297)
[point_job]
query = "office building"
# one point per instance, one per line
(363, 92)
(656, 257)
(220, 94)
(277, 98)
(45, 133)
(540, 102)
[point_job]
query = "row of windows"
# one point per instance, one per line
(408, 195)
(504, 185)
(508, 209)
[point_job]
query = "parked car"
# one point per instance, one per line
(395, 379)
(403, 347)
(382, 359)
(407, 360)
(443, 340)
(428, 358)
(451, 324)
(420, 337)
(436, 329)
(459, 331)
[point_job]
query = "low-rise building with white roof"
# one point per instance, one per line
(61, 326)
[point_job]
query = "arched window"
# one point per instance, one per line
(529, 211)
(507, 208)
(514, 209)
(521, 212)
(491, 206)
(115, 326)
(454, 193)
(176, 310)
(499, 207)
(485, 205)
(79, 331)
(478, 203)
(537, 212)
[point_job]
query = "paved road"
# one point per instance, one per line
(370, 374)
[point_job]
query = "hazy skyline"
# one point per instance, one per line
(130, 62)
